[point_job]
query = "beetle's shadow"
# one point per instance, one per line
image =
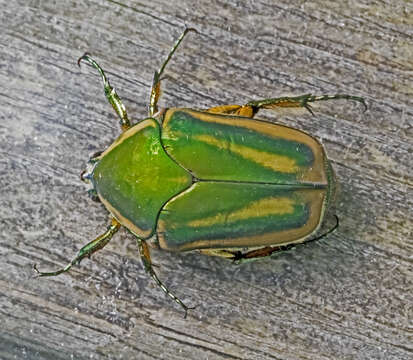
(322, 271)
(326, 270)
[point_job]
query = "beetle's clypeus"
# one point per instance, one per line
(213, 180)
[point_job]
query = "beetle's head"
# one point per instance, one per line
(86, 175)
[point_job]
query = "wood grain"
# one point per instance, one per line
(349, 296)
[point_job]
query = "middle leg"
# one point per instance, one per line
(147, 263)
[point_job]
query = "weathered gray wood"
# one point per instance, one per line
(347, 297)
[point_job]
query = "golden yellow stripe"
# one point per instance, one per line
(130, 132)
(260, 208)
(275, 162)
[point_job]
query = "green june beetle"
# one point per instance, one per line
(216, 180)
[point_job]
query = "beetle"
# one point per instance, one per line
(217, 181)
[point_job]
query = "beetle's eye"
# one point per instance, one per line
(85, 176)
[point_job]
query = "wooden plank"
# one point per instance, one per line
(348, 296)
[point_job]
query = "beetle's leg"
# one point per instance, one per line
(227, 254)
(269, 250)
(87, 250)
(241, 110)
(252, 107)
(156, 83)
(224, 109)
(110, 93)
(147, 263)
(240, 257)
(260, 253)
(299, 101)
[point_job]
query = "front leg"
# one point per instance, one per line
(110, 92)
(86, 251)
(156, 83)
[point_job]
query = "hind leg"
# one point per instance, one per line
(252, 107)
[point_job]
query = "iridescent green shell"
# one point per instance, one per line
(209, 181)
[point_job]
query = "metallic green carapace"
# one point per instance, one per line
(255, 183)
(135, 177)
(234, 148)
(215, 180)
(239, 215)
